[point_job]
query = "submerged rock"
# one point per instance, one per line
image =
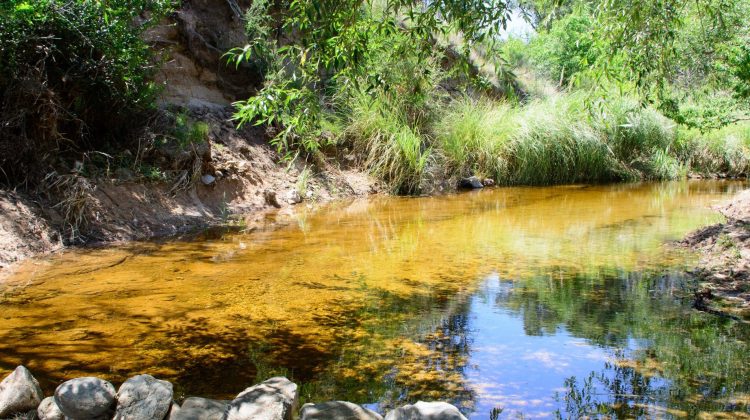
(85, 398)
(196, 408)
(471, 182)
(48, 410)
(274, 399)
(19, 393)
(337, 410)
(143, 397)
(426, 411)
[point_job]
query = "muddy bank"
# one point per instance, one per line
(724, 266)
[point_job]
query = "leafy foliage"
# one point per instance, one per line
(73, 76)
(334, 47)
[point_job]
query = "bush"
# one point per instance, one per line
(74, 76)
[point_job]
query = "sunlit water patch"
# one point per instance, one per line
(512, 301)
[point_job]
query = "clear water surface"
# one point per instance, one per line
(534, 302)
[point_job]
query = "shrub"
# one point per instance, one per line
(74, 76)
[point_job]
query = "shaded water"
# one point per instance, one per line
(536, 301)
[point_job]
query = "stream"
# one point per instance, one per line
(530, 302)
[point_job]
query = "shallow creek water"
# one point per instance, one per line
(526, 301)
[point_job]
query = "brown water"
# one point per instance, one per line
(534, 300)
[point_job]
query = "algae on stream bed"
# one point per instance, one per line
(534, 300)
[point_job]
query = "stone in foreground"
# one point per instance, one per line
(19, 393)
(337, 410)
(471, 182)
(196, 408)
(48, 410)
(274, 399)
(85, 398)
(426, 411)
(143, 397)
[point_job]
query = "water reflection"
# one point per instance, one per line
(623, 346)
(540, 301)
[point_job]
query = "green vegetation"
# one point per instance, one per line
(74, 76)
(421, 92)
(424, 104)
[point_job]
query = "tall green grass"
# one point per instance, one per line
(557, 140)
(391, 149)
(556, 144)
(724, 151)
(471, 136)
(553, 140)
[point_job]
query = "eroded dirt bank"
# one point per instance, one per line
(246, 178)
(724, 266)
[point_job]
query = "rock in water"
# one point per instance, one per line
(19, 393)
(85, 398)
(274, 399)
(143, 397)
(471, 182)
(195, 408)
(48, 410)
(337, 410)
(426, 411)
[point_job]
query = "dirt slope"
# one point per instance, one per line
(248, 179)
(242, 173)
(724, 268)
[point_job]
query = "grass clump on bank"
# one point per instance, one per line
(546, 141)
(724, 151)
(390, 148)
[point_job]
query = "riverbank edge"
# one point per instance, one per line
(722, 272)
(244, 184)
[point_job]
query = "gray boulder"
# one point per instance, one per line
(85, 398)
(143, 397)
(19, 393)
(195, 408)
(173, 410)
(471, 182)
(274, 399)
(48, 410)
(337, 410)
(426, 411)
